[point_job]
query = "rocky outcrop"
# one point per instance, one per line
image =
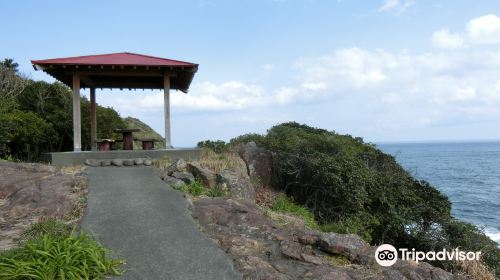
(263, 250)
(207, 176)
(258, 161)
(186, 177)
(30, 192)
(239, 185)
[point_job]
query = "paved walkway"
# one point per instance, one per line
(135, 214)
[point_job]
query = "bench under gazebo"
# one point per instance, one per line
(116, 71)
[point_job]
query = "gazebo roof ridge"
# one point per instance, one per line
(117, 59)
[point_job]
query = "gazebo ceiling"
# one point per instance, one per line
(120, 70)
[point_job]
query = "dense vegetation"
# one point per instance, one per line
(36, 117)
(52, 251)
(353, 187)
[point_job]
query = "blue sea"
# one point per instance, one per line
(468, 173)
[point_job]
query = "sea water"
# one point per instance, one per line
(468, 173)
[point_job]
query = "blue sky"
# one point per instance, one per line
(384, 70)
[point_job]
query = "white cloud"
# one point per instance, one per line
(483, 30)
(445, 39)
(397, 5)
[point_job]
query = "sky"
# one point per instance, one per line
(383, 70)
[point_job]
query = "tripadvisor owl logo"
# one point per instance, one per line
(386, 255)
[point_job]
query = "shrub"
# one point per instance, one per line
(217, 146)
(353, 187)
(69, 256)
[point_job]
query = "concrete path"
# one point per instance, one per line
(135, 214)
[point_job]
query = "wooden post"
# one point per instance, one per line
(93, 120)
(166, 105)
(77, 125)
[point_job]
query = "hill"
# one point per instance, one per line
(146, 132)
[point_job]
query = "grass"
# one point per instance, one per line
(474, 269)
(162, 163)
(197, 188)
(286, 205)
(52, 251)
(219, 162)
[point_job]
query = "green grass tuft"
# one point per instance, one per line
(197, 188)
(59, 257)
(285, 204)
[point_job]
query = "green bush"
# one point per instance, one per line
(217, 146)
(72, 256)
(353, 187)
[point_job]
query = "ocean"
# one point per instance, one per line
(468, 173)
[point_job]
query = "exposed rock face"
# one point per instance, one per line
(186, 177)
(179, 165)
(29, 192)
(239, 185)
(259, 162)
(207, 176)
(173, 182)
(262, 250)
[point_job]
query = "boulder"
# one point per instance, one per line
(105, 162)
(92, 162)
(207, 176)
(349, 245)
(173, 182)
(147, 162)
(179, 165)
(258, 161)
(117, 162)
(239, 185)
(139, 161)
(186, 177)
(128, 162)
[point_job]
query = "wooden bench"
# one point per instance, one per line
(104, 144)
(148, 143)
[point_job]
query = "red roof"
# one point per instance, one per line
(124, 58)
(119, 70)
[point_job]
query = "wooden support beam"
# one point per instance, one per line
(77, 121)
(93, 120)
(166, 105)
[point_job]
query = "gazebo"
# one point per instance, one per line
(117, 71)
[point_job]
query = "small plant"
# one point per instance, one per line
(197, 188)
(218, 191)
(217, 146)
(55, 255)
(287, 205)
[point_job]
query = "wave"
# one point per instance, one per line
(493, 233)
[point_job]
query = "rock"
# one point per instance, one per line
(147, 162)
(139, 161)
(105, 162)
(92, 162)
(117, 162)
(31, 192)
(262, 250)
(239, 185)
(349, 245)
(179, 165)
(173, 182)
(207, 176)
(128, 162)
(311, 259)
(258, 161)
(186, 177)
